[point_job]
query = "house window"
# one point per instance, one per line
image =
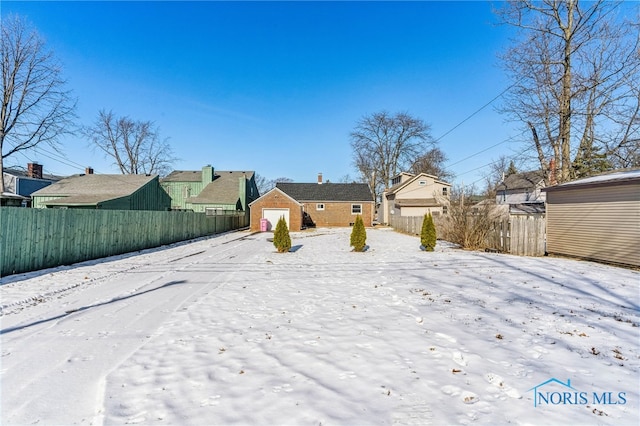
(356, 208)
(319, 206)
(445, 210)
(187, 192)
(422, 182)
(444, 191)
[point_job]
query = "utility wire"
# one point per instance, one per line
(478, 110)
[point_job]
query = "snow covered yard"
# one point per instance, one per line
(227, 331)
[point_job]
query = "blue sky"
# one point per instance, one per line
(277, 87)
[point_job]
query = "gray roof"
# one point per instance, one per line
(92, 189)
(24, 174)
(417, 202)
(326, 191)
(224, 189)
(523, 180)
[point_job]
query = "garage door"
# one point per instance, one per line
(273, 215)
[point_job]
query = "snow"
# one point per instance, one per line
(225, 330)
(606, 177)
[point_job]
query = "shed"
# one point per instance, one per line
(106, 192)
(596, 218)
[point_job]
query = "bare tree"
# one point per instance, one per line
(134, 146)
(384, 145)
(36, 107)
(265, 185)
(432, 163)
(576, 70)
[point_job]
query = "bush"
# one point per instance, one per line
(281, 238)
(428, 234)
(358, 235)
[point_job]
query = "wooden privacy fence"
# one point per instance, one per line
(520, 235)
(33, 239)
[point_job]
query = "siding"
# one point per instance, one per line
(599, 223)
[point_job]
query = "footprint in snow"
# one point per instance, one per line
(347, 375)
(446, 337)
(450, 390)
(212, 400)
(459, 359)
(497, 381)
(469, 397)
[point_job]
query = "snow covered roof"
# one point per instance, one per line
(620, 177)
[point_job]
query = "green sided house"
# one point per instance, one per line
(104, 192)
(313, 204)
(209, 190)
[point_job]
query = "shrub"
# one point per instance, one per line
(358, 235)
(428, 234)
(281, 238)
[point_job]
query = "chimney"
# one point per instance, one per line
(88, 171)
(34, 170)
(552, 172)
(207, 175)
(319, 178)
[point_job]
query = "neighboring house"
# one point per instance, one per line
(521, 188)
(106, 192)
(19, 184)
(209, 190)
(415, 195)
(313, 204)
(596, 218)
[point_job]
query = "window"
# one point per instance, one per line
(445, 210)
(444, 191)
(422, 182)
(319, 206)
(356, 208)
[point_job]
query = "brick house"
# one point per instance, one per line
(320, 204)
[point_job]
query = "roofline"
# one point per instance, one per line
(413, 179)
(280, 191)
(569, 186)
(336, 201)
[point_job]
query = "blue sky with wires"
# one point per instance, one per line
(276, 87)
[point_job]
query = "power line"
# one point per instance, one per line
(477, 111)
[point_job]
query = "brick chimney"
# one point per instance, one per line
(319, 178)
(552, 172)
(34, 170)
(88, 171)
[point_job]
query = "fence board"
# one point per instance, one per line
(519, 235)
(33, 239)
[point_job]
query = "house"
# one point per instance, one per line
(106, 192)
(318, 204)
(19, 184)
(209, 190)
(596, 218)
(521, 188)
(415, 195)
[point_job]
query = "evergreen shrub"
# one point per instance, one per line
(281, 238)
(358, 235)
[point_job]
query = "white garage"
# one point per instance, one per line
(273, 215)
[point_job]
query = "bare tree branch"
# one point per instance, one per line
(384, 145)
(134, 146)
(36, 108)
